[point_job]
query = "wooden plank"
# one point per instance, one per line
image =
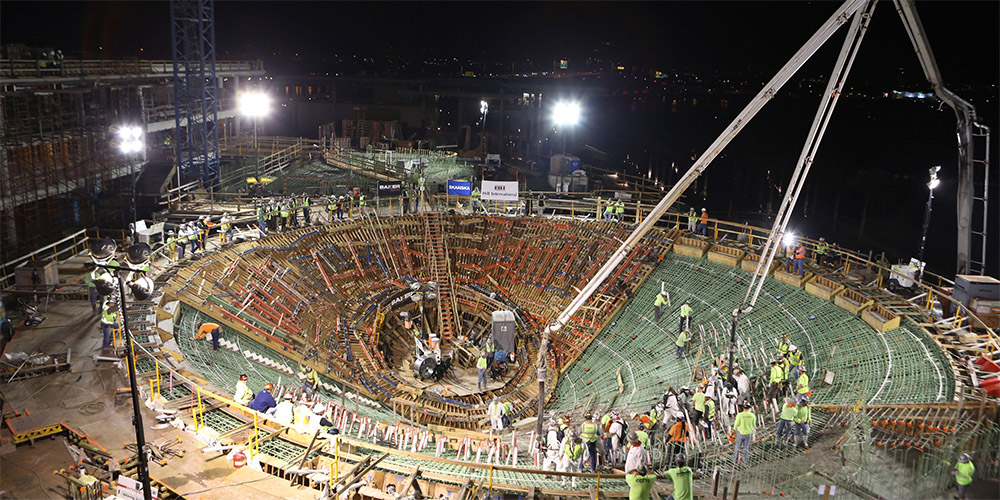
(405, 489)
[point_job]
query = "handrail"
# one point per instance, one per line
(15, 68)
(82, 234)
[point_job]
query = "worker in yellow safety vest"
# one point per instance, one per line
(777, 376)
(820, 252)
(661, 300)
(243, 394)
(685, 319)
(589, 432)
(109, 320)
(803, 417)
(572, 456)
(802, 385)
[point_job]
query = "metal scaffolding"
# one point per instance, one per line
(195, 92)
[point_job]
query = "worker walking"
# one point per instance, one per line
(242, 394)
(658, 304)
(963, 472)
(482, 367)
(685, 318)
(776, 377)
(571, 456)
(744, 426)
(682, 340)
(785, 421)
(589, 432)
(551, 445)
(803, 417)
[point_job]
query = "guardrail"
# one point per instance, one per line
(37, 68)
(73, 244)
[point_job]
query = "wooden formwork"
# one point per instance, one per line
(751, 260)
(824, 288)
(880, 318)
(793, 278)
(726, 255)
(691, 247)
(853, 301)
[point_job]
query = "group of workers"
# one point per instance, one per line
(698, 224)
(195, 233)
(306, 408)
(614, 210)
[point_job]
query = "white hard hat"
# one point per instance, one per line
(318, 408)
(704, 210)
(793, 348)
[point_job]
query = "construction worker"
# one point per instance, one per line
(572, 456)
(310, 381)
(261, 220)
(306, 211)
(703, 223)
(483, 368)
(661, 300)
(803, 417)
(800, 259)
(301, 412)
(685, 317)
(678, 436)
(362, 204)
(963, 472)
(682, 476)
(508, 413)
(242, 394)
(730, 400)
(802, 384)
(171, 244)
(640, 483)
(777, 376)
(550, 445)
(284, 213)
(609, 210)
(109, 320)
(709, 415)
(263, 402)
(615, 433)
(820, 252)
(682, 340)
(783, 346)
(786, 420)
(620, 211)
(181, 241)
(640, 432)
(284, 411)
(476, 194)
(589, 432)
(210, 329)
(226, 226)
(698, 402)
(92, 288)
(692, 220)
(794, 362)
(637, 454)
(742, 384)
(495, 411)
(744, 426)
(331, 207)
(340, 208)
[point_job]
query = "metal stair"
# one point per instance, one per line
(441, 274)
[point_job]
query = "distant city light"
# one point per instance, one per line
(130, 139)
(254, 104)
(566, 113)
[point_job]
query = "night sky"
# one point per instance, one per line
(873, 162)
(702, 36)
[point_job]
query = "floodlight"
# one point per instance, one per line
(102, 249)
(934, 183)
(142, 288)
(254, 104)
(789, 239)
(137, 254)
(105, 284)
(566, 113)
(130, 139)
(484, 107)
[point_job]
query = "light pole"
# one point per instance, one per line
(484, 108)
(254, 105)
(102, 251)
(130, 142)
(566, 114)
(927, 217)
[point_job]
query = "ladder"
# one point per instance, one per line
(438, 255)
(980, 159)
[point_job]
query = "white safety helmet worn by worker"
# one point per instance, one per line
(793, 348)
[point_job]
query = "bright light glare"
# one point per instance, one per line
(130, 139)
(254, 104)
(566, 113)
(789, 239)
(934, 183)
(484, 107)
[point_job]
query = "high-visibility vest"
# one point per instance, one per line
(821, 248)
(704, 218)
(709, 409)
(610, 209)
(661, 300)
(783, 348)
(795, 358)
(788, 412)
(692, 218)
(589, 432)
(621, 207)
(800, 253)
(573, 451)
(361, 201)
(686, 310)
(803, 415)
(803, 383)
(777, 374)
(260, 212)
(481, 363)
(108, 317)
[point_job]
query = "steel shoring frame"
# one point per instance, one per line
(832, 24)
(834, 87)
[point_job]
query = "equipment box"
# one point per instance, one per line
(971, 286)
(504, 328)
(37, 273)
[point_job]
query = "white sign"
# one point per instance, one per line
(130, 489)
(500, 190)
(823, 488)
